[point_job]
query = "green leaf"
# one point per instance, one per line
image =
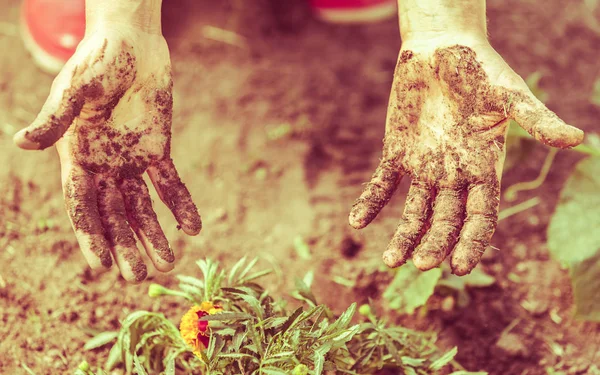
(585, 278)
(139, 369)
(573, 234)
(319, 360)
(234, 291)
(255, 275)
(411, 288)
(478, 278)
(114, 356)
(273, 322)
(131, 318)
(393, 351)
(204, 358)
(238, 340)
(272, 371)
(414, 362)
(170, 368)
(235, 268)
(191, 281)
(444, 360)
(302, 248)
(323, 349)
(27, 369)
(100, 339)
(226, 316)
(308, 278)
(254, 304)
(235, 355)
(248, 268)
(346, 316)
(190, 289)
(304, 293)
(453, 282)
(288, 323)
(308, 315)
(346, 335)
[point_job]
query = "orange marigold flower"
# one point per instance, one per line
(195, 332)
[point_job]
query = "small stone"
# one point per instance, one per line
(533, 220)
(512, 345)
(448, 304)
(99, 312)
(535, 307)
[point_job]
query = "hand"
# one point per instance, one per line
(109, 113)
(446, 129)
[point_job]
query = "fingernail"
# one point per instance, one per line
(425, 263)
(393, 259)
(355, 219)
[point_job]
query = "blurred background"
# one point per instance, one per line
(277, 124)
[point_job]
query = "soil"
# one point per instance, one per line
(327, 86)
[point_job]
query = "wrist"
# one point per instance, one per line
(144, 15)
(431, 19)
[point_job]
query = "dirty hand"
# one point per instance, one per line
(109, 113)
(446, 130)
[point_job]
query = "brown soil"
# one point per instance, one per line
(330, 84)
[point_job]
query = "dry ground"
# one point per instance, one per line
(330, 85)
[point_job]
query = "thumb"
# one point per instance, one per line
(543, 124)
(62, 106)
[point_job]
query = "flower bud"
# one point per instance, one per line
(300, 370)
(84, 366)
(156, 290)
(365, 310)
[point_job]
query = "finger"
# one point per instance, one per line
(64, 104)
(376, 195)
(446, 222)
(144, 222)
(413, 225)
(176, 196)
(82, 206)
(543, 124)
(479, 226)
(118, 232)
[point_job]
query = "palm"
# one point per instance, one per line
(125, 123)
(446, 129)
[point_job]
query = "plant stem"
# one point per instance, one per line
(511, 192)
(586, 149)
(523, 206)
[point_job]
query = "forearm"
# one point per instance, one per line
(142, 14)
(432, 18)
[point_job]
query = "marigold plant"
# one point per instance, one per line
(236, 327)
